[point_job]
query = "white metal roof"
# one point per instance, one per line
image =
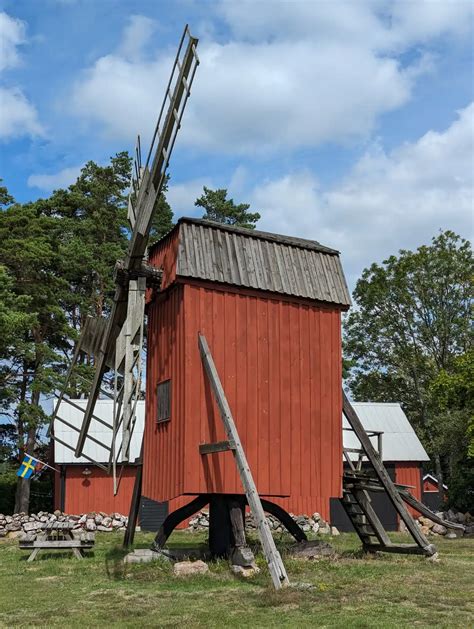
(104, 410)
(399, 440)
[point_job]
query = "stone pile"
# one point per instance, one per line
(16, 525)
(428, 527)
(309, 524)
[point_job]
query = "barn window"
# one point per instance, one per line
(163, 393)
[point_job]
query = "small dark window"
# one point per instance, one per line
(163, 393)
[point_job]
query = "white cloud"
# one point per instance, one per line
(388, 201)
(378, 25)
(18, 116)
(61, 179)
(181, 196)
(297, 76)
(12, 35)
(136, 36)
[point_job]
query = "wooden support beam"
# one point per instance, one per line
(134, 506)
(275, 563)
(218, 446)
(176, 517)
(285, 518)
(364, 502)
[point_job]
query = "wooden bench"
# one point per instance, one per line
(57, 536)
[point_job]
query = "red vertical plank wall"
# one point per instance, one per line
(280, 365)
(84, 494)
(164, 441)
(430, 486)
(410, 474)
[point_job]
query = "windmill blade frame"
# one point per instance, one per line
(146, 186)
(150, 186)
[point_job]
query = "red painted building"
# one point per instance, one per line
(270, 307)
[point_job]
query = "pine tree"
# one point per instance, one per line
(220, 209)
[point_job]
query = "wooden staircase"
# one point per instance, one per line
(356, 499)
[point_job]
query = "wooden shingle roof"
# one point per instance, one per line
(260, 260)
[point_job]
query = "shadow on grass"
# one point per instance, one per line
(57, 555)
(115, 567)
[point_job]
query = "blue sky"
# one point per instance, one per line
(347, 122)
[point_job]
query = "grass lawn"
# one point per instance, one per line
(351, 590)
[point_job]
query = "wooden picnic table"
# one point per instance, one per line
(57, 536)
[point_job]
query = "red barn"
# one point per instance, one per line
(270, 307)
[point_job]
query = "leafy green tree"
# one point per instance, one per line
(5, 198)
(453, 395)
(30, 253)
(93, 216)
(220, 209)
(57, 258)
(410, 325)
(163, 218)
(15, 321)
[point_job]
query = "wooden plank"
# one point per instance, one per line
(218, 446)
(275, 563)
(364, 501)
(64, 544)
(407, 549)
(421, 508)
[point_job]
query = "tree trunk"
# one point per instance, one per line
(439, 476)
(22, 495)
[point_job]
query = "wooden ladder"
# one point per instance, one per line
(356, 499)
(274, 560)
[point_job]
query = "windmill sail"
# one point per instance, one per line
(146, 186)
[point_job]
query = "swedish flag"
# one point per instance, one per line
(28, 467)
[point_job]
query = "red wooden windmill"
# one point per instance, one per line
(243, 384)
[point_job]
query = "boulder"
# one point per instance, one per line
(316, 517)
(315, 527)
(3, 532)
(90, 525)
(334, 531)
(143, 555)
(426, 522)
(451, 515)
(439, 529)
(15, 534)
(190, 568)
(32, 526)
(469, 529)
(246, 572)
(242, 556)
(425, 530)
(13, 526)
(311, 550)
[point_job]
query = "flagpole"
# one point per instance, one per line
(42, 463)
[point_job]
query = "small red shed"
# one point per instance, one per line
(270, 307)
